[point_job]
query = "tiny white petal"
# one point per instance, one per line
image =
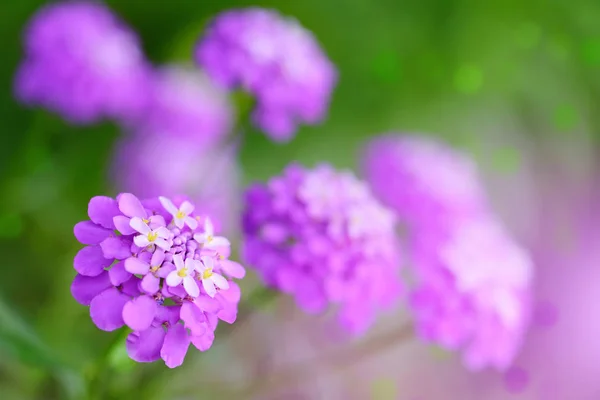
(178, 261)
(173, 279)
(219, 241)
(200, 237)
(163, 232)
(208, 262)
(187, 208)
(168, 205)
(178, 222)
(190, 286)
(209, 286)
(191, 222)
(141, 241)
(220, 282)
(162, 243)
(208, 227)
(139, 225)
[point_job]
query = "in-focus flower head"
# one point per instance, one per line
(276, 60)
(82, 62)
(320, 236)
(422, 179)
(143, 268)
(473, 291)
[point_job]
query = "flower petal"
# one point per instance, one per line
(131, 287)
(178, 261)
(85, 288)
(178, 223)
(139, 225)
(173, 279)
(131, 206)
(168, 314)
(168, 205)
(163, 232)
(175, 346)
(139, 313)
(209, 287)
(145, 346)
(141, 241)
(106, 309)
(116, 247)
(102, 209)
(162, 243)
(186, 207)
(209, 229)
(150, 284)
(191, 222)
(165, 270)
(220, 282)
(233, 269)
(219, 241)
(118, 274)
(205, 341)
(207, 304)
(157, 258)
(90, 261)
(136, 266)
(87, 232)
(200, 237)
(233, 294)
(122, 224)
(191, 287)
(193, 318)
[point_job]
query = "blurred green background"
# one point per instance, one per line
(482, 75)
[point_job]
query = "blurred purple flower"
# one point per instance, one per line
(423, 180)
(125, 284)
(83, 63)
(320, 236)
(472, 291)
(151, 164)
(185, 104)
(276, 60)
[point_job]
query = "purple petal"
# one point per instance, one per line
(168, 314)
(87, 232)
(106, 309)
(165, 270)
(139, 313)
(116, 247)
(131, 287)
(233, 269)
(228, 313)
(145, 346)
(122, 224)
(118, 274)
(136, 266)
(175, 346)
(205, 341)
(233, 294)
(193, 318)
(207, 304)
(102, 209)
(85, 288)
(90, 261)
(131, 206)
(150, 284)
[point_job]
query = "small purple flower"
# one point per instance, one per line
(83, 63)
(138, 254)
(276, 60)
(422, 179)
(320, 236)
(472, 291)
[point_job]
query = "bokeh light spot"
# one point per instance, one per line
(468, 79)
(516, 380)
(384, 389)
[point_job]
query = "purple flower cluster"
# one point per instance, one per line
(83, 63)
(184, 104)
(276, 60)
(472, 281)
(158, 268)
(320, 236)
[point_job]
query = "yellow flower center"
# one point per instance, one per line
(182, 272)
(154, 268)
(180, 215)
(146, 221)
(207, 273)
(209, 238)
(152, 236)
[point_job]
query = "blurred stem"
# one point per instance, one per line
(335, 362)
(101, 369)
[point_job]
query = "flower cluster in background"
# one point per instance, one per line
(472, 281)
(151, 265)
(321, 236)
